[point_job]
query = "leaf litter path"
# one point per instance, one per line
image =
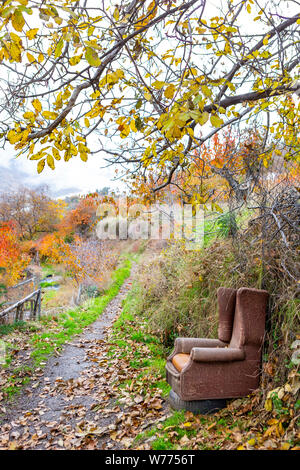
(72, 403)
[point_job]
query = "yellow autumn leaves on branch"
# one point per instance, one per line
(156, 73)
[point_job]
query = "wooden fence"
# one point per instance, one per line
(26, 308)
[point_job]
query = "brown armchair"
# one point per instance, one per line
(227, 367)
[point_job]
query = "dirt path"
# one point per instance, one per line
(71, 404)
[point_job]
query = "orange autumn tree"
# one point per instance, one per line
(83, 217)
(215, 172)
(32, 210)
(12, 260)
(224, 168)
(85, 259)
(50, 247)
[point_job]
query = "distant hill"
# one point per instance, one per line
(10, 179)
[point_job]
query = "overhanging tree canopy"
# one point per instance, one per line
(151, 79)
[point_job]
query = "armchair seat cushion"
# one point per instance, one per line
(180, 360)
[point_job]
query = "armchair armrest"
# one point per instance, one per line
(185, 345)
(217, 354)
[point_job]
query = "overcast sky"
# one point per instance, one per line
(72, 177)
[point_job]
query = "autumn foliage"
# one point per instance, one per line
(12, 260)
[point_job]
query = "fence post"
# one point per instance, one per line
(17, 317)
(31, 309)
(22, 312)
(37, 306)
(39, 303)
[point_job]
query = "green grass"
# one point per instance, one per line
(162, 442)
(48, 284)
(74, 321)
(18, 326)
(47, 296)
(49, 269)
(18, 377)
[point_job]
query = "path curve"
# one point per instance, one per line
(58, 409)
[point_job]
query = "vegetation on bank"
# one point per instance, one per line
(176, 303)
(179, 291)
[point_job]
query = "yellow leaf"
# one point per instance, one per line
(280, 430)
(206, 91)
(190, 132)
(17, 20)
(56, 153)
(40, 58)
(15, 52)
(50, 162)
(170, 91)
(227, 48)
(75, 60)
(216, 121)
(148, 96)
(92, 57)
(41, 165)
(203, 118)
(13, 136)
(251, 442)
(37, 105)
(15, 38)
(266, 40)
(268, 404)
(31, 33)
(29, 115)
(86, 122)
(36, 156)
(58, 48)
(158, 84)
(49, 115)
(30, 57)
(73, 150)
(132, 125)
(116, 14)
(84, 157)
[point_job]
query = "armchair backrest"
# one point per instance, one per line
(249, 321)
(226, 304)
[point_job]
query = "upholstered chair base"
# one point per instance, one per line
(203, 407)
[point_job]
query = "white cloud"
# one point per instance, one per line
(76, 174)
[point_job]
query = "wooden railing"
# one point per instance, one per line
(26, 308)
